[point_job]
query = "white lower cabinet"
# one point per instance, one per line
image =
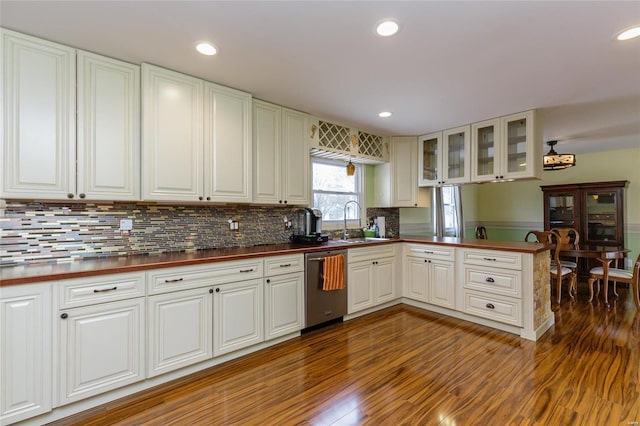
(180, 329)
(492, 285)
(283, 295)
(429, 274)
(100, 334)
(101, 347)
(371, 277)
(25, 351)
(237, 316)
(283, 305)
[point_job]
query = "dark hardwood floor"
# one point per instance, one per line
(406, 366)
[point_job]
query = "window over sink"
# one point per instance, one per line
(332, 189)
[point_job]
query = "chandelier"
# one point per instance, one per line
(554, 161)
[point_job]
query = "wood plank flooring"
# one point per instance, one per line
(404, 366)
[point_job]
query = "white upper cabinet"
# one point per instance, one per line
(172, 135)
(444, 157)
(227, 144)
(196, 139)
(39, 100)
(506, 148)
(281, 155)
(108, 128)
(396, 182)
(42, 157)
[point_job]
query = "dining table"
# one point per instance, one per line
(604, 254)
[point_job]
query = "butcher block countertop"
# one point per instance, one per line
(38, 272)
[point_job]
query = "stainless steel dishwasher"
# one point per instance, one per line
(322, 306)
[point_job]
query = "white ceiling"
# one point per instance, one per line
(452, 62)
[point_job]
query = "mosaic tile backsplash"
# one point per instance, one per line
(53, 232)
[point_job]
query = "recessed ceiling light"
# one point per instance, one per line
(387, 28)
(206, 48)
(385, 114)
(629, 34)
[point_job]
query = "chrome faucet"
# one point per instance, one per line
(345, 236)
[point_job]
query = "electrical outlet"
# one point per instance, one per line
(126, 226)
(233, 225)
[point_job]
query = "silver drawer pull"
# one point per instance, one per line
(490, 306)
(492, 259)
(246, 270)
(173, 281)
(105, 290)
(286, 265)
(490, 280)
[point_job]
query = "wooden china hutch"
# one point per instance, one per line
(594, 209)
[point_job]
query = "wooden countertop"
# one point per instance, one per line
(38, 272)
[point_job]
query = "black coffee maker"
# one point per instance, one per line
(308, 227)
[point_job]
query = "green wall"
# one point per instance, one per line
(516, 205)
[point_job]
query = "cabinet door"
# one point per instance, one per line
(39, 104)
(456, 167)
(429, 155)
(25, 351)
(416, 278)
(603, 216)
(442, 290)
(485, 137)
(171, 135)
(404, 177)
(101, 347)
(521, 147)
(108, 128)
(267, 157)
(179, 330)
(295, 158)
(227, 144)
(561, 209)
(385, 285)
(238, 316)
(360, 293)
(283, 304)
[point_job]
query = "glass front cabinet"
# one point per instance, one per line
(444, 157)
(595, 210)
(506, 148)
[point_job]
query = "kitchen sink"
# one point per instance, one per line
(362, 240)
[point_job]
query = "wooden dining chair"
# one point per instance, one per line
(617, 275)
(561, 273)
(568, 238)
(481, 232)
(540, 237)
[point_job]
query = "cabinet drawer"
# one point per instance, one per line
(278, 265)
(94, 290)
(493, 280)
(187, 277)
(496, 308)
(429, 251)
(371, 253)
(492, 258)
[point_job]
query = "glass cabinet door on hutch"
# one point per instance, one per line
(562, 208)
(601, 207)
